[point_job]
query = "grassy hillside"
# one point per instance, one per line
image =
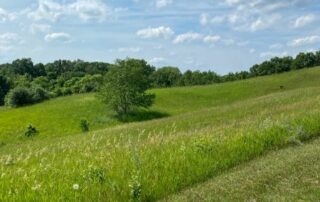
(291, 174)
(61, 117)
(151, 160)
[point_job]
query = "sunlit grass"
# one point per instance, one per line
(150, 160)
(62, 116)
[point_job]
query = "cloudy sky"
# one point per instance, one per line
(220, 35)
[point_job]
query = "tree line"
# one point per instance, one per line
(23, 82)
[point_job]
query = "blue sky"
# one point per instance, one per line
(218, 35)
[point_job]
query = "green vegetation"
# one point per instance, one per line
(125, 85)
(67, 112)
(63, 77)
(291, 174)
(209, 130)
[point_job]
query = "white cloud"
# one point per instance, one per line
(156, 60)
(59, 36)
(187, 37)
(263, 23)
(270, 54)
(157, 32)
(212, 39)
(86, 10)
(305, 41)
(129, 49)
(47, 10)
(8, 41)
(9, 38)
(163, 3)
(255, 15)
(204, 19)
(35, 28)
(304, 20)
(6, 16)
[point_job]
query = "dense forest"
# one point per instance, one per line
(23, 82)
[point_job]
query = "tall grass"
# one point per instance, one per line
(61, 117)
(148, 161)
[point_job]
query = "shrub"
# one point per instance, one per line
(4, 88)
(19, 96)
(31, 131)
(40, 94)
(84, 125)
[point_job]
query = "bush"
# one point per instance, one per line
(31, 131)
(39, 94)
(19, 96)
(84, 125)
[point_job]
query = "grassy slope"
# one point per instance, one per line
(61, 117)
(163, 156)
(290, 174)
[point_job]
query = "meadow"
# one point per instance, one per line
(196, 133)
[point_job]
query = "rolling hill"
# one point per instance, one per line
(190, 135)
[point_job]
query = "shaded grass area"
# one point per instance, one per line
(62, 116)
(151, 160)
(141, 115)
(291, 174)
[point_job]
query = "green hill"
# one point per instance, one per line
(204, 130)
(61, 116)
(286, 175)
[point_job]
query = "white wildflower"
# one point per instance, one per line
(75, 186)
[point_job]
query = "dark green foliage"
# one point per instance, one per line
(64, 77)
(84, 125)
(39, 94)
(19, 96)
(31, 131)
(4, 88)
(125, 85)
(166, 77)
(191, 78)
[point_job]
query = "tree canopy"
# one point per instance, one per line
(125, 85)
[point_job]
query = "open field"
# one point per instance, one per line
(290, 174)
(209, 129)
(61, 116)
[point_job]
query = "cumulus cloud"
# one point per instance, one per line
(156, 32)
(163, 3)
(59, 36)
(254, 15)
(187, 37)
(86, 10)
(305, 41)
(263, 23)
(211, 39)
(193, 36)
(6, 16)
(304, 20)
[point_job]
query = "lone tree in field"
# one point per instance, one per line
(125, 85)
